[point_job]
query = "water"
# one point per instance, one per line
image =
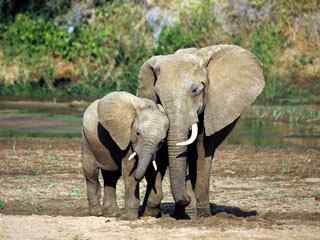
(272, 133)
(22, 121)
(34, 121)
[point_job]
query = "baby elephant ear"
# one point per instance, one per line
(116, 113)
(235, 81)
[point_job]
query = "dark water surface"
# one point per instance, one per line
(32, 121)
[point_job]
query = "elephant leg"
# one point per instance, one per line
(91, 172)
(193, 202)
(132, 198)
(154, 193)
(202, 181)
(206, 148)
(93, 194)
(110, 206)
(191, 177)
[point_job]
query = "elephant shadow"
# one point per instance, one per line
(169, 209)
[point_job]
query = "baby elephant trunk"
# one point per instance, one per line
(143, 164)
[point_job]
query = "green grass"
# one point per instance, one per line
(2, 204)
(75, 192)
(54, 157)
(288, 113)
(279, 91)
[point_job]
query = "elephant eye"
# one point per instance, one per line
(138, 132)
(196, 89)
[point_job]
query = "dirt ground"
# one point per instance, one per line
(256, 193)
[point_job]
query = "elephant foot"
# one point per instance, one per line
(130, 214)
(114, 211)
(180, 213)
(203, 212)
(152, 212)
(95, 211)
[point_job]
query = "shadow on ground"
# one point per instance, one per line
(169, 209)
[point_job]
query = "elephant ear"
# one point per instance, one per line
(235, 80)
(147, 79)
(116, 113)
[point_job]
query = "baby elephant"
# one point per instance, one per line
(116, 129)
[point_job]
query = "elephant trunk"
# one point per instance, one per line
(143, 163)
(177, 166)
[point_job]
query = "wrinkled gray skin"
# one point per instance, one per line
(208, 87)
(113, 128)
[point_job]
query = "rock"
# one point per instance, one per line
(158, 18)
(234, 14)
(78, 104)
(312, 26)
(79, 13)
(312, 180)
(229, 172)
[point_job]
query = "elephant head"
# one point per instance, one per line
(216, 82)
(134, 121)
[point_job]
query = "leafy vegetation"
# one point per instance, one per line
(173, 38)
(191, 31)
(41, 58)
(101, 57)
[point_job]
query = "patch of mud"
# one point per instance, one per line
(256, 193)
(39, 121)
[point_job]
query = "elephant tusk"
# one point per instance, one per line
(132, 155)
(194, 134)
(154, 165)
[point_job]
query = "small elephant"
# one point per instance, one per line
(203, 91)
(117, 128)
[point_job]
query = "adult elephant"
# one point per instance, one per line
(204, 90)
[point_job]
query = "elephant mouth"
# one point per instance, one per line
(192, 138)
(135, 156)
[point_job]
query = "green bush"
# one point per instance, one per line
(265, 41)
(107, 55)
(278, 91)
(197, 27)
(26, 35)
(172, 39)
(25, 89)
(33, 37)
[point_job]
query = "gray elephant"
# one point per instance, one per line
(117, 128)
(204, 90)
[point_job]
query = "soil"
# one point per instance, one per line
(256, 193)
